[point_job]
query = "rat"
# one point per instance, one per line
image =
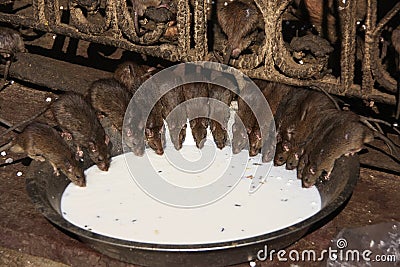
(285, 114)
(238, 20)
(247, 117)
(91, 6)
(11, 43)
(111, 99)
(138, 9)
(42, 142)
(134, 127)
(346, 138)
(326, 124)
(294, 131)
(72, 112)
(176, 120)
(220, 112)
(78, 119)
(274, 93)
(155, 129)
(131, 75)
(197, 111)
(240, 138)
(314, 124)
(309, 121)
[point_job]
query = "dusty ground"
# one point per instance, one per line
(28, 239)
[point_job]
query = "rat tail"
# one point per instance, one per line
(327, 94)
(393, 148)
(7, 145)
(23, 123)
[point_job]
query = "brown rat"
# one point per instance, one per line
(78, 118)
(246, 115)
(91, 6)
(131, 75)
(155, 130)
(110, 98)
(304, 130)
(177, 121)
(347, 137)
(240, 138)
(197, 111)
(220, 113)
(134, 127)
(238, 20)
(138, 9)
(10, 43)
(41, 142)
(305, 120)
(328, 132)
(273, 93)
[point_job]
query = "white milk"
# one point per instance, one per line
(113, 205)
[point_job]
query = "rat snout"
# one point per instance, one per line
(220, 144)
(290, 165)
(80, 182)
(267, 156)
(138, 150)
(279, 160)
(307, 182)
(200, 144)
(253, 152)
(103, 166)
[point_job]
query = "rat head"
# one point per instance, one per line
(255, 141)
(219, 133)
(240, 138)
(156, 139)
(310, 175)
(199, 131)
(133, 133)
(177, 132)
(99, 152)
(91, 6)
(129, 75)
(281, 153)
(301, 165)
(293, 160)
(75, 173)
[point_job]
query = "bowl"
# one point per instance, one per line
(45, 190)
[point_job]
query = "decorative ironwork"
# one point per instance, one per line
(110, 22)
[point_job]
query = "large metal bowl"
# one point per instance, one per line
(46, 189)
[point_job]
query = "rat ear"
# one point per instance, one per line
(107, 139)
(149, 133)
(286, 145)
(92, 147)
(213, 127)
(204, 122)
(258, 134)
(129, 132)
(141, 124)
(68, 165)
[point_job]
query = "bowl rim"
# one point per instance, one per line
(57, 219)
